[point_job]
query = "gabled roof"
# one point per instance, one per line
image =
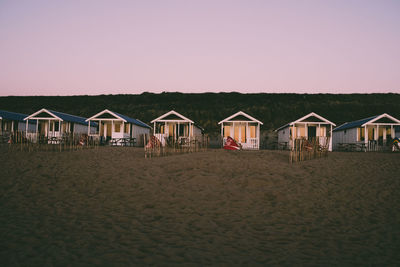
(13, 116)
(61, 116)
(312, 114)
(172, 112)
(363, 122)
(240, 113)
(120, 117)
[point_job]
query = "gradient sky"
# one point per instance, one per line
(110, 47)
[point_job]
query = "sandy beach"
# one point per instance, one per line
(111, 206)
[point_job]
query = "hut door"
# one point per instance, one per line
(109, 130)
(171, 130)
(243, 133)
(312, 132)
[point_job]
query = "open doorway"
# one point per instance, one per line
(312, 132)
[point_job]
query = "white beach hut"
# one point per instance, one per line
(119, 129)
(55, 124)
(243, 128)
(309, 126)
(367, 134)
(177, 127)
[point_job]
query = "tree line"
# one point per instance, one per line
(207, 109)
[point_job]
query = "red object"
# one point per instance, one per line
(231, 144)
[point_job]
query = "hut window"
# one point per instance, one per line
(117, 127)
(371, 134)
(253, 131)
(227, 130)
(361, 134)
(322, 131)
(301, 131)
(380, 132)
(126, 130)
(171, 130)
(51, 126)
(56, 126)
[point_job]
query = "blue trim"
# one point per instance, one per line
(72, 118)
(131, 120)
(14, 116)
(354, 124)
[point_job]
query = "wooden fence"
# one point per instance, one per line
(67, 142)
(155, 148)
(304, 149)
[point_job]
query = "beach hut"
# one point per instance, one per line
(55, 124)
(11, 122)
(307, 127)
(369, 134)
(119, 129)
(176, 127)
(243, 128)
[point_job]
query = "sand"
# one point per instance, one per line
(111, 206)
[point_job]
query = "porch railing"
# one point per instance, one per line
(251, 143)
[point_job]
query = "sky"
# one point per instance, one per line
(129, 47)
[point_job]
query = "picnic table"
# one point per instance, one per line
(351, 147)
(123, 141)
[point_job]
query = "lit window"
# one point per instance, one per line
(117, 127)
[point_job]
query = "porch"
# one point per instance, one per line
(244, 133)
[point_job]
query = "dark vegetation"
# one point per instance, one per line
(207, 109)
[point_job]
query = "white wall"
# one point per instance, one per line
(22, 127)
(80, 129)
(138, 132)
(196, 131)
(350, 137)
(284, 135)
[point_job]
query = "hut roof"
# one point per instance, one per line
(310, 117)
(241, 116)
(14, 116)
(121, 117)
(62, 116)
(172, 116)
(362, 122)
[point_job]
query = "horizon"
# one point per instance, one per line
(128, 47)
(195, 93)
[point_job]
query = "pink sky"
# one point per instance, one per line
(111, 47)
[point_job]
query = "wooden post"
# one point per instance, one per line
(384, 134)
(222, 133)
(293, 133)
(26, 128)
(330, 138)
(258, 136)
